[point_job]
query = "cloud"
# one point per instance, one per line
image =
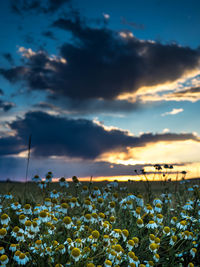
(6, 106)
(99, 64)
(49, 34)
(190, 94)
(64, 167)
(173, 112)
(1, 92)
(44, 6)
(76, 138)
(9, 58)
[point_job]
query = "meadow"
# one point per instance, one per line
(78, 224)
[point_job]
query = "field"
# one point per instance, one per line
(100, 224)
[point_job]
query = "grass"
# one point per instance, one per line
(100, 223)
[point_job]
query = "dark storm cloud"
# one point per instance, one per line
(44, 105)
(49, 34)
(101, 64)
(44, 6)
(14, 74)
(82, 138)
(6, 106)
(9, 58)
(85, 106)
(10, 145)
(189, 92)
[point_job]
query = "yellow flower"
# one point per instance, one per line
(3, 232)
(95, 234)
(108, 263)
(140, 223)
(76, 254)
(112, 219)
(4, 259)
(153, 247)
(5, 219)
(166, 230)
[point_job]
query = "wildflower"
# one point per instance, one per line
(100, 201)
(125, 234)
(20, 236)
(116, 233)
(156, 257)
(152, 238)
(28, 224)
(61, 248)
(74, 202)
(166, 230)
(159, 218)
(136, 241)
(43, 216)
(36, 178)
(94, 218)
(153, 247)
(8, 196)
(112, 206)
(13, 247)
(67, 222)
(149, 263)
(62, 181)
(15, 206)
(108, 263)
(4, 259)
(112, 219)
(64, 207)
(173, 220)
(22, 259)
(15, 230)
(95, 235)
(130, 244)
(76, 254)
(193, 252)
(54, 194)
(158, 207)
(187, 206)
(137, 212)
(2, 250)
(49, 177)
(140, 201)
(42, 185)
(173, 239)
(183, 214)
(157, 201)
(151, 225)
(157, 240)
(140, 223)
(182, 225)
(38, 243)
(148, 209)
(3, 232)
(22, 218)
(5, 219)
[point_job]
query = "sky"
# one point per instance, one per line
(104, 88)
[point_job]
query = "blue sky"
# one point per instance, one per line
(125, 70)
